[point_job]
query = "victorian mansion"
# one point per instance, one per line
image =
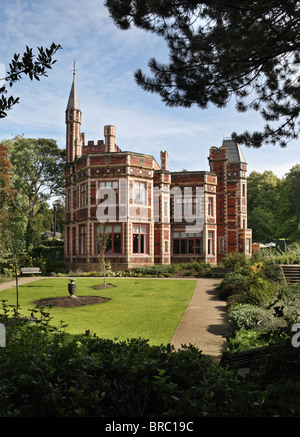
(149, 214)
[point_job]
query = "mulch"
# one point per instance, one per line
(68, 301)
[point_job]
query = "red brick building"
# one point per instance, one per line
(150, 214)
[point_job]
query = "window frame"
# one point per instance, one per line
(248, 245)
(82, 234)
(187, 207)
(68, 241)
(185, 240)
(140, 194)
(69, 199)
(211, 243)
(113, 233)
(140, 234)
(108, 184)
(210, 206)
(83, 195)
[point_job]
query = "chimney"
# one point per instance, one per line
(110, 138)
(164, 160)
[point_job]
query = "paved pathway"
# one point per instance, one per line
(203, 323)
(21, 281)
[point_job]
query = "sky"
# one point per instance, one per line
(106, 59)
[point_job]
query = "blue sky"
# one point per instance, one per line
(106, 59)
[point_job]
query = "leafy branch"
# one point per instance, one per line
(28, 65)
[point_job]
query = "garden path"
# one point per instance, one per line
(203, 324)
(21, 281)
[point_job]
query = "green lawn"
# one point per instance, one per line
(146, 308)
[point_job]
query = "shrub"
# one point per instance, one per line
(44, 375)
(235, 299)
(271, 257)
(196, 267)
(53, 256)
(233, 283)
(261, 291)
(247, 316)
(273, 272)
(235, 260)
(159, 270)
(244, 317)
(247, 339)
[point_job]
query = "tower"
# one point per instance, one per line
(73, 122)
(230, 167)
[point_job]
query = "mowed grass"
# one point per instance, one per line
(146, 308)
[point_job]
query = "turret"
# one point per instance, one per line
(73, 122)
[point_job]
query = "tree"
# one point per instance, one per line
(9, 231)
(102, 241)
(264, 191)
(42, 221)
(263, 225)
(12, 241)
(6, 185)
(59, 205)
(265, 206)
(220, 49)
(38, 173)
(291, 194)
(274, 205)
(27, 66)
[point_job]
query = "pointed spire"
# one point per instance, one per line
(73, 102)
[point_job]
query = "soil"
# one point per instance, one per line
(68, 301)
(101, 287)
(71, 301)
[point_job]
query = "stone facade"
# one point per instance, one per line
(150, 215)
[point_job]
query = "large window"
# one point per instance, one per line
(83, 195)
(82, 240)
(112, 195)
(187, 243)
(211, 206)
(140, 193)
(68, 200)
(210, 243)
(113, 233)
(68, 241)
(140, 239)
(248, 245)
(187, 207)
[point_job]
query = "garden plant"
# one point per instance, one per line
(49, 371)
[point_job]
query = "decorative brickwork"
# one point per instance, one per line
(151, 215)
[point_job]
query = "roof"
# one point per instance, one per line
(73, 102)
(235, 153)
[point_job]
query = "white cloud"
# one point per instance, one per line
(106, 59)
